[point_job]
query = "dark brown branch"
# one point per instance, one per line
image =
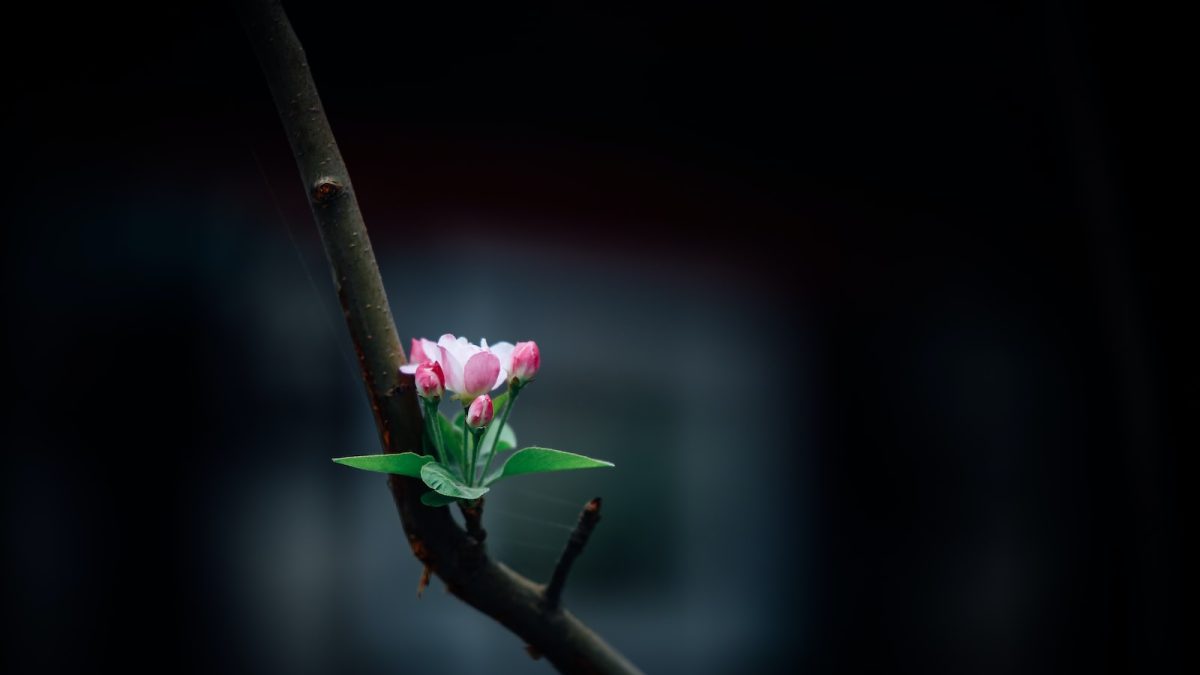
(460, 560)
(579, 538)
(473, 518)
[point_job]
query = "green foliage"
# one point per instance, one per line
(543, 460)
(435, 499)
(404, 463)
(452, 437)
(443, 481)
(447, 480)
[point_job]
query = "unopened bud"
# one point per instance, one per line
(431, 382)
(481, 412)
(526, 359)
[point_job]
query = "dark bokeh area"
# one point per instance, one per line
(872, 305)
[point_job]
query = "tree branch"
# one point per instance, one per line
(459, 559)
(473, 519)
(579, 538)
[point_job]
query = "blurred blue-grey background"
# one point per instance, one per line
(865, 302)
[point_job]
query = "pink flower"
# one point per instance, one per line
(470, 370)
(526, 359)
(422, 350)
(430, 379)
(481, 412)
(520, 361)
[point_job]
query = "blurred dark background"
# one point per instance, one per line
(872, 304)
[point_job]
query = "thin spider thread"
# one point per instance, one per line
(516, 516)
(545, 498)
(312, 284)
(525, 544)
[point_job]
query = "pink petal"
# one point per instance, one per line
(416, 353)
(481, 371)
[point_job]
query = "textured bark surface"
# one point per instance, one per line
(457, 557)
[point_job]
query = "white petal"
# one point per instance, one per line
(452, 368)
(431, 350)
(458, 347)
(504, 351)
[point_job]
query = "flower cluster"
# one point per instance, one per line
(468, 370)
(458, 451)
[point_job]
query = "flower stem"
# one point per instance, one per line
(477, 438)
(468, 466)
(512, 399)
(434, 425)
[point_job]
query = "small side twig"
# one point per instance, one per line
(579, 538)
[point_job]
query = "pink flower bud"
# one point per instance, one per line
(431, 382)
(481, 412)
(526, 359)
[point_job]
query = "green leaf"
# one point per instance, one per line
(443, 481)
(452, 438)
(403, 463)
(542, 460)
(434, 499)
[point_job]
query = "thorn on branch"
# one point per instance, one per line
(579, 538)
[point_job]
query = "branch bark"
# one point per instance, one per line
(458, 558)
